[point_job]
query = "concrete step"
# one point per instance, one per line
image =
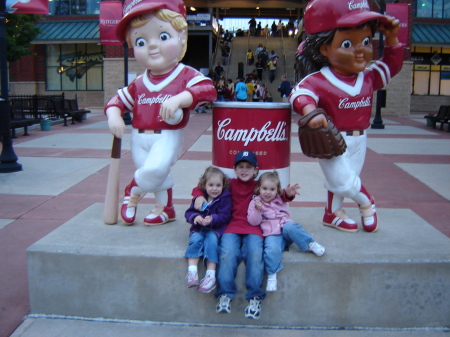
(63, 327)
(395, 278)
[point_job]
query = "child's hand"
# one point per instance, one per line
(198, 220)
(207, 220)
(390, 30)
(199, 202)
(292, 190)
(258, 205)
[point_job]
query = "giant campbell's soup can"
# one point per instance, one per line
(263, 128)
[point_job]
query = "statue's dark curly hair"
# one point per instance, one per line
(312, 60)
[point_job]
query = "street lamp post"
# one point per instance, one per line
(377, 122)
(8, 159)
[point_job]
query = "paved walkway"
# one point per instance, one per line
(65, 171)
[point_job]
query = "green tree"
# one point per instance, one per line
(20, 31)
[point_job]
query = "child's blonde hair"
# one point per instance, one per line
(209, 172)
(177, 20)
(269, 176)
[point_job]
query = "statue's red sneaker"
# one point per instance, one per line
(339, 220)
(129, 204)
(160, 215)
(369, 216)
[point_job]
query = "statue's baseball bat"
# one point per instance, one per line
(111, 209)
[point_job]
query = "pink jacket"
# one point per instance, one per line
(272, 217)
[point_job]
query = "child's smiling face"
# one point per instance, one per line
(268, 190)
(245, 171)
(214, 186)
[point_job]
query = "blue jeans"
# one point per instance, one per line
(233, 249)
(204, 243)
(274, 245)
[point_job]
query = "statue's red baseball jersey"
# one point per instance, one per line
(348, 99)
(147, 92)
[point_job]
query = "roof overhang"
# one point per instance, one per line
(63, 32)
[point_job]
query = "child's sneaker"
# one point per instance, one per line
(271, 285)
(224, 304)
(192, 279)
(207, 285)
(317, 249)
(253, 309)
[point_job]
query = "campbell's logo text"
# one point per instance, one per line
(150, 100)
(358, 5)
(363, 102)
(264, 134)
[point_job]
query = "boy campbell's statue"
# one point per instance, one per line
(160, 100)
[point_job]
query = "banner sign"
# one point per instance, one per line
(110, 15)
(400, 11)
(27, 6)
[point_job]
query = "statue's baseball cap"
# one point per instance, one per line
(325, 15)
(246, 156)
(133, 8)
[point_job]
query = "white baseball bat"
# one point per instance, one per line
(111, 208)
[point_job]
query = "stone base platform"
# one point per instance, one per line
(398, 277)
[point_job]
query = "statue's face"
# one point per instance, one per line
(157, 45)
(350, 51)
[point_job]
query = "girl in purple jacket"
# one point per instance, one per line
(269, 211)
(207, 227)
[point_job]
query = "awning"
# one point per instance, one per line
(431, 34)
(68, 32)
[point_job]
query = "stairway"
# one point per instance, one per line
(240, 46)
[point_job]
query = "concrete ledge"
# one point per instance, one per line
(396, 278)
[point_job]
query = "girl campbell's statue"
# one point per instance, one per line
(160, 100)
(333, 63)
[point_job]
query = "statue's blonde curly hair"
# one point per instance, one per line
(177, 20)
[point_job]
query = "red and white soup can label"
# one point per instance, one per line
(263, 128)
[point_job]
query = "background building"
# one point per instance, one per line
(70, 59)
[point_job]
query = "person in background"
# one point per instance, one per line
(241, 90)
(230, 95)
(284, 88)
(221, 91)
(250, 57)
(250, 89)
(252, 26)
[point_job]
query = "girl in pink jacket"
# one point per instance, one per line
(269, 211)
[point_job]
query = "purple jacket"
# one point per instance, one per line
(219, 209)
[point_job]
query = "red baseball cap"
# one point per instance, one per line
(324, 15)
(133, 8)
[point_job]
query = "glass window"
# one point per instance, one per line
(433, 9)
(74, 7)
(75, 67)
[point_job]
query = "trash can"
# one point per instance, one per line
(264, 128)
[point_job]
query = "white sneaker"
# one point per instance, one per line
(317, 249)
(271, 285)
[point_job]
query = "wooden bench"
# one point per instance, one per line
(443, 117)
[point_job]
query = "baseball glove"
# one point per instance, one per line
(319, 142)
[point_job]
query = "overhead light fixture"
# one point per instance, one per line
(193, 9)
(257, 7)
